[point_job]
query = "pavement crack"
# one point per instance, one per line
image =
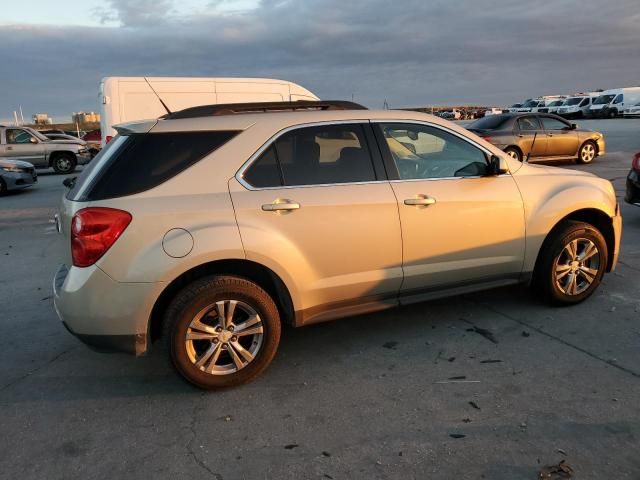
(629, 266)
(192, 453)
(595, 356)
(35, 370)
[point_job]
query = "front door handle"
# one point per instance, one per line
(9, 148)
(281, 205)
(420, 200)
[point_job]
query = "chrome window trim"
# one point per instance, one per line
(239, 176)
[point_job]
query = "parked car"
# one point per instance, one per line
(210, 228)
(514, 108)
(576, 107)
(633, 111)
(15, 175)
(555, 138)
(614, 102)
(493, 111)
(29, 145)
(632, 194)
(64, 136)
(551, 107)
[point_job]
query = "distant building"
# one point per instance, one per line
(85, 117)
(42, 119)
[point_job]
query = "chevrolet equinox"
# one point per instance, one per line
(209, 228)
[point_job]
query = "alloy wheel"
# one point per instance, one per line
(224, 337)
(63, 164)
(587, 153)
(577, 266)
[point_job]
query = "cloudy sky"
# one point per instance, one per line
(410, 52)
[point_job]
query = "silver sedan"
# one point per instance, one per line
(15, 174)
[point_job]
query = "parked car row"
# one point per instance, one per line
(604, 104)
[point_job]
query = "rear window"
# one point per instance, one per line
(139, 162)
(489, 123)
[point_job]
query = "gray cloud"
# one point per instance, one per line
(410, 52)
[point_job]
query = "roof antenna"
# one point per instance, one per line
(535, 135)
(163, 104)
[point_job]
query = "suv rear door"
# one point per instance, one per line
(316, 208)
(459, 228)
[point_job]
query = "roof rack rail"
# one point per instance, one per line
(261, 107)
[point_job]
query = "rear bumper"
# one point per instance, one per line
(105, 314)
(632, 194)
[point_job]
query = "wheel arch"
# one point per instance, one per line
(56, 153)
(253, 271)
(515, 147)
(593, 216)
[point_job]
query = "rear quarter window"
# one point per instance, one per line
(143, 161)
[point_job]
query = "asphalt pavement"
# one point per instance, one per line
(493, 385)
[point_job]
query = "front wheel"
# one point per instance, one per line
(222, 331)
(513, 153)
(587, 152)
(64, 163)
(571, 263)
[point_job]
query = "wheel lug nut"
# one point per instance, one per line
(224, 347)
(218, 329)
(234, 338)
(230, 328)
(215, 340)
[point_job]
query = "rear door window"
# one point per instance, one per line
(528, 124)
(328, 154)
(140, 162)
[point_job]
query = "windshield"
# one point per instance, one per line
(531, 103)
(603, 99)
(573, 101)
(516, 105)
(556, 103)
(489, 123)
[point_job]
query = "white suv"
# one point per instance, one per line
(213, 226)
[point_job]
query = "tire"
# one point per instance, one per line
(587, 152)
(213, 359)
(612, 113)
(557, 266)
(64, 163)
(513, 152)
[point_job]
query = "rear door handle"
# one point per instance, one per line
(281, 205)
(420, 200)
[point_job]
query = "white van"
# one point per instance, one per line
(613, 103)
(577, 106)
(126, 99)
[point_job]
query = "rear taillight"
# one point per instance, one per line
(108, 139)
(487, 138)
(93, 231)
(635, 164)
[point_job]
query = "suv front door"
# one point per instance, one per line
(459, 228)
(20, 144)
(314, 206)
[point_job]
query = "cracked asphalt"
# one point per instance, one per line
(492, 385)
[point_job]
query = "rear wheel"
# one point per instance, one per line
(222, 331)
(64, 163)
(571, 264)
(587, 152)
(513, 152)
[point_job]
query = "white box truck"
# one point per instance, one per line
(614, 102)
(126, 99)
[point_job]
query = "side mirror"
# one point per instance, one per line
(69, 182)
(573, 126)
(33, 140)
(497, 166)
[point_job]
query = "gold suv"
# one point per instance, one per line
(213, 226)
